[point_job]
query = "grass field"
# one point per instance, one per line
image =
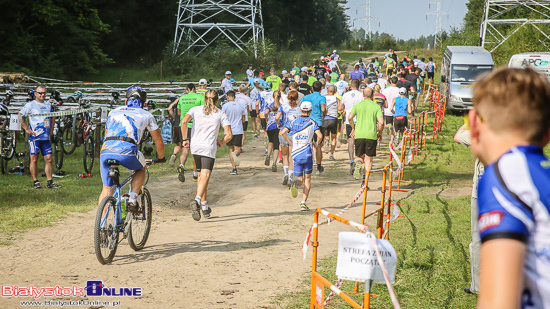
(431, 240)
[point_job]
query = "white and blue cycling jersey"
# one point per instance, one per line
(266, 98)
(302, 130)
(40, 125)
(514, 203)
(130, 123)
(271, 122)
(288, 114)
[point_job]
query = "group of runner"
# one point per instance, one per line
(302, 114)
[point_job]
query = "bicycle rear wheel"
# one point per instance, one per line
(58, 150)
(105, 231)
(141, 223)
(9, 144)
(88, 154)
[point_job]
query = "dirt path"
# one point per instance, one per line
(243, 257)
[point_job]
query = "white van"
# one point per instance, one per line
(461, 66)
(540, 62)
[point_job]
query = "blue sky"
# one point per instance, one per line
(409, 21)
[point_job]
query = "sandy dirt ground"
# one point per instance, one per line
(244, 256)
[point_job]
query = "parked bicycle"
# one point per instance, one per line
(7, 143)
(112, 218)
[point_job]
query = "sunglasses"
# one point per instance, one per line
(40, 93)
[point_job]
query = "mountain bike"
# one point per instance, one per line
(57, 144)
(111, 219)
(7, 143)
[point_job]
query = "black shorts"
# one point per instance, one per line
(263, 122)
(202, 162)
(388, 119)
(364, 146)
(430, 74)
(245, 125)
(399, 125)
(273, 136)
(176, 135)
(330, 126)
(253, 113)
(236, 140)
(322, 136)
(348, 130)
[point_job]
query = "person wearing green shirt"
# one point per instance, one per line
(185, 103)
(274, 79)
(366, 132)
(311, 78)
(294, 68)
(334, 77)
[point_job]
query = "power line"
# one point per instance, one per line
(367, 18)
(438, 13)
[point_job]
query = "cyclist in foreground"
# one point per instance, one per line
(123, 131)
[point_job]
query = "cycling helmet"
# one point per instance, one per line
(31, 93)
(77, 93)
(9, 93)
(135, 96)
(115, 94)
(152, 104)
(268, 85)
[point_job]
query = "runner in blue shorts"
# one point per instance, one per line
(302, 130)
(123, 131)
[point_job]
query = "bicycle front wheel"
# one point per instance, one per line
(88, 154)
(141, 222)
(105, 231)
(58, 151)
(68, 144)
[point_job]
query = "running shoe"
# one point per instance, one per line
(274, 167)
(36, 185)
(233, 172)
(172, 160)
(206, 213)
(255, 135)
(285, 180)
(235, 159)
(294, 188)
(351, 167)
(303, 207)
(181, 173)
(331, 157)
(290, 179)
(195, 178)
(133, 207)
(267, 160)
(52, 185)
(196, 209)
(320, 169)
(357, 170)
(265, 154)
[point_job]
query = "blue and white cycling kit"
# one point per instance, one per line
(266, 98)
(125, 127)
(514, 203)
(288, 114)
(302, 130)
(271, 122)
(40, 125)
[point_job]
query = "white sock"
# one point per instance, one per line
(195, 174)
(285, 168)
(133, 197)
(303, 202)
(204, 205)
(198, 199)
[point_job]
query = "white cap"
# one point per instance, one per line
(203, 81)
(334, 51)
(227, 72)
(306, 106)
(402, 90)
(284, 72)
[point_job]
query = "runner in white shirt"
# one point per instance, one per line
(330, 122)
(285, 115)
(349, 99)
(284, 96)
(207, 120)
(226, 82)
(341, 85)
(382, 81)
(391, 93)
(247, 103)
(253, 114)
(236, 114)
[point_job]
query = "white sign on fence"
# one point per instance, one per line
(15, 122)
(357, 258)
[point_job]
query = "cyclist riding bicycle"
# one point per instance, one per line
(123, 131)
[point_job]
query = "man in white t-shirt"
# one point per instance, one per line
(341, 85)
(246, 102)
(207, 120)
(349, 99)
(391, 93)
(236, 114)
(226, 82)
(382, 81)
